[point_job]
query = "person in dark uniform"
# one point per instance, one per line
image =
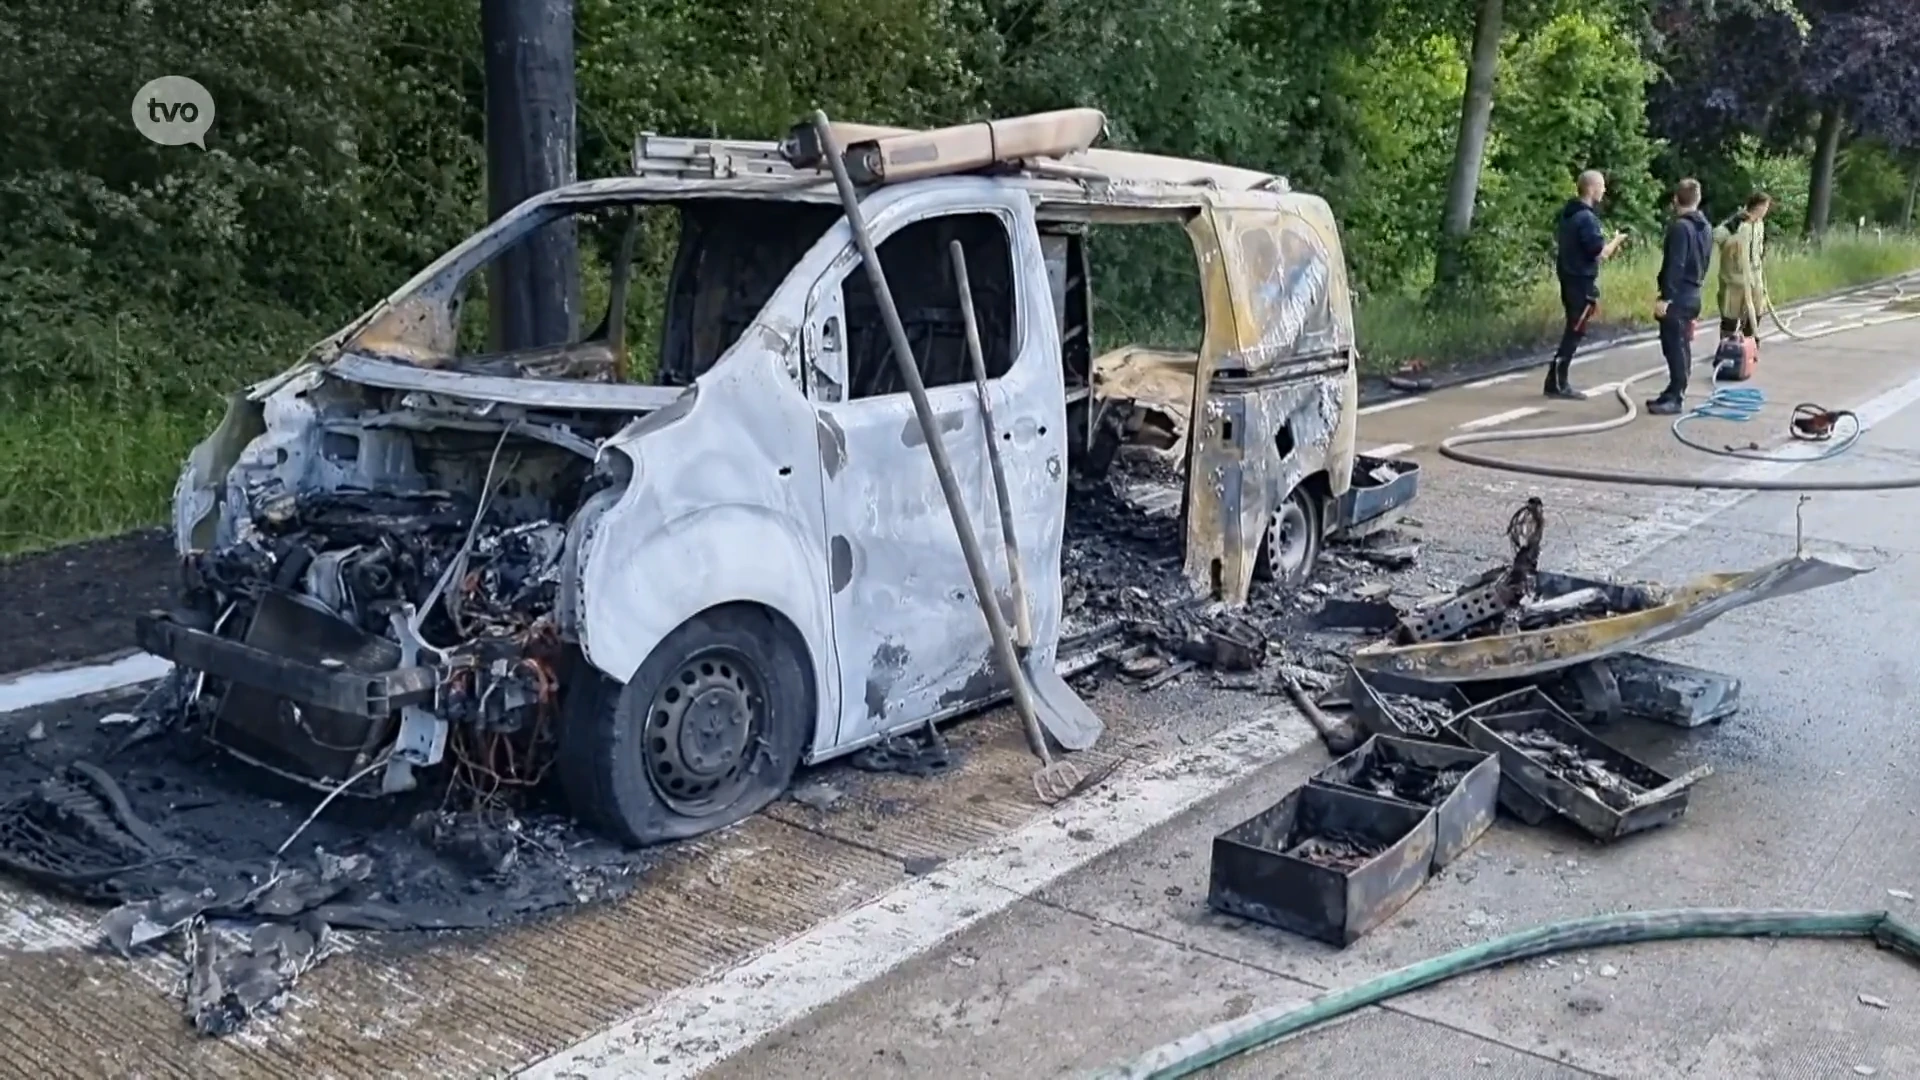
(1684, 256)
(1583, 246)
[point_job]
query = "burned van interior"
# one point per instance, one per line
(920, 275)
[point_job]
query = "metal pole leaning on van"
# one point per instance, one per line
(1016, 574)
(936, 447)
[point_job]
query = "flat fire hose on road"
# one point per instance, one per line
(1212, 1045)
(1454, 447)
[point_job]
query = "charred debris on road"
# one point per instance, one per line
(186, 839)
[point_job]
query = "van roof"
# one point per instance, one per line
(1084, 183)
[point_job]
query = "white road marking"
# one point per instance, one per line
(36, 688)
(698, 1026)
(1389, 450)
(1603, 388)
(1497, 380)
(1396, 403)
(1680, 514)
(1813, 327)
(1497, 419)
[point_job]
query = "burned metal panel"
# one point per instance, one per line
(1524, 655)
(1275, 391)
(198, 491)
(721, 505)
(537, 393)
(911, 641)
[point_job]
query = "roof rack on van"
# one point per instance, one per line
(1044, 146)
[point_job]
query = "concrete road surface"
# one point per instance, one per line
(954, 927)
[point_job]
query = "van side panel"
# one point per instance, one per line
(1275, 393)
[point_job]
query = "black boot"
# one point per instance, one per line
(1557, 385)
(1666, 405)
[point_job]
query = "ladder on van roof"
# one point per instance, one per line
(709, 159)
(879, 154)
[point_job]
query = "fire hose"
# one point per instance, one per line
(1209, 1046)
(1810, 423)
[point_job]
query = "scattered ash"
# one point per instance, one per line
(1337, 851)
(215, 823)
(1417, 715)
(1576, 767)
(1407, 781)
(1124, 565)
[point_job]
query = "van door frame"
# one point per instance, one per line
(954, 674)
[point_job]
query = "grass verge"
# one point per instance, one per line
(1395, 330)
(75, 466)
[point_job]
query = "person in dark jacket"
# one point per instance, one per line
(1583, 246)
(1684, 256)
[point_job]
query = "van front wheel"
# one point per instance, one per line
(708, 731)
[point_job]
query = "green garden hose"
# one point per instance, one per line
(1209, 1046)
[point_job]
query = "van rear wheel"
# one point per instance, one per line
(1291, 547)
(708, 731)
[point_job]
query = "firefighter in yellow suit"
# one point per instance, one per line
(1741, 241)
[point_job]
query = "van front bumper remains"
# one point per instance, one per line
(307, 694)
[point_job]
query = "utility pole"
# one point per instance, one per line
(534, 288)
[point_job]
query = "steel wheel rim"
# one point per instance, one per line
(1288, 540)
(704, 726)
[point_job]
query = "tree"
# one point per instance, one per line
(1476, 119)
(1843, 67)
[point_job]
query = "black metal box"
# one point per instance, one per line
(1608, 809)
(1261, 872)
(1459, 784)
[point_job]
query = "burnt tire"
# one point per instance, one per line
(1290, 549)
(708, 731)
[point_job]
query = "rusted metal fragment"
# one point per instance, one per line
(1537, 652)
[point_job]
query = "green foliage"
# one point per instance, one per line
(141, 283)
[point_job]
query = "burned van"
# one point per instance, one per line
(662, 581)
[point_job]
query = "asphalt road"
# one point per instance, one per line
(955, 927)
(1815, 804)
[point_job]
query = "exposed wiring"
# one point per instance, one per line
(378, 763)
(457, 566)
(1209, 1046)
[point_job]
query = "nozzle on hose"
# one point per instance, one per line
(1811, 423)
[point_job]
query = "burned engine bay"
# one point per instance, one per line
(369, 542)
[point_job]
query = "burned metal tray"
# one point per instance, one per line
(1257, 873)
(1376, 716)
(1496, 727)
(1380, 486)
(1463, 806)
(1670, 693)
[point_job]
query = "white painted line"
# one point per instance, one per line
(1389, 450)
(699, 1026)
(1497, 419)
(1603, 388)
(1813, 327)
(1612, 549)
(1396, 403)
(1498, 379)
(36, 688)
